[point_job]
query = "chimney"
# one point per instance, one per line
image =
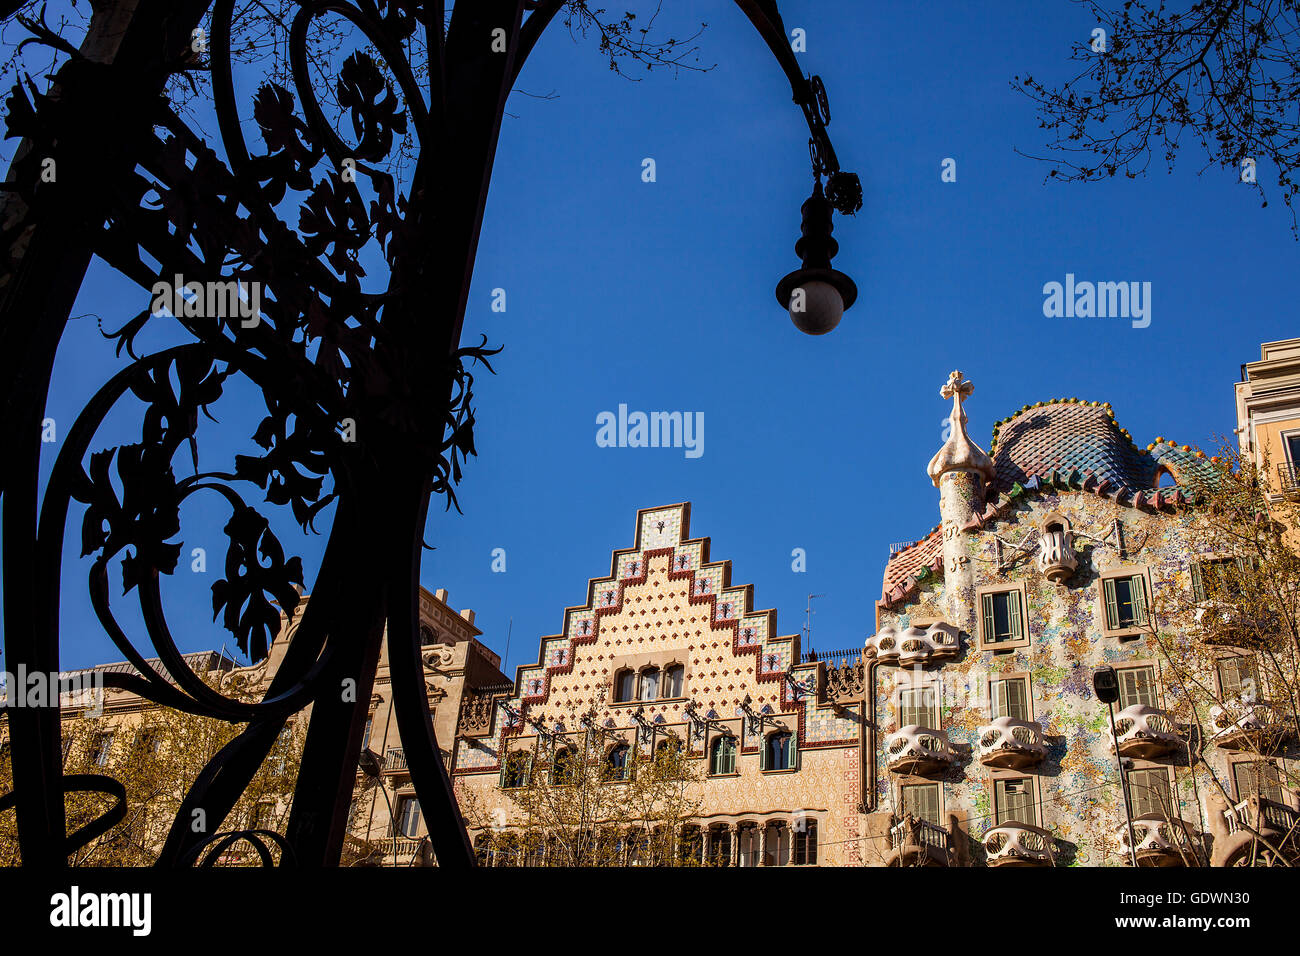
(467, 614)
(441, 595)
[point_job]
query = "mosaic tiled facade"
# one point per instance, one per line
(1018, 571)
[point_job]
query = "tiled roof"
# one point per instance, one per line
(1064, 443)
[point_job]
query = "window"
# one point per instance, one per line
(483, 849)
(148, 742)
(1125, 598)
(674, 680)
(650, 683)
(1237, 678)
(1137, 685)
(720, 846)
(780, 751)
(1150, 793)
(565, 769)
(618, 763)
(747, 841)
(263, 816)
(1215, 580)
(1009, 697)
(922, 802)
(365, 737)
(919, 706)
(690, 848)
(624, 686)
(777, 849)
(427, 636)
(1292, 443)
(100, 748)
(1257, 778)
(723, 758)
(408, 817)
(1002, 618)
(514, 772)
(805, 844)
(1013, 801)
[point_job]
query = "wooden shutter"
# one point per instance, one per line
(1231, 673)
(1015, 615)
(1015, 802)
(1011, 698)
(1137, 685)
(1138, 590)
(990, 624)
(1000, 703)
(764, 745)
(922, 801)
(1257, 777)
(1112, 606)
(1149, 792)
(794, 751)
(1198, 582)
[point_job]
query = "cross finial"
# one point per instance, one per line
(956, 386)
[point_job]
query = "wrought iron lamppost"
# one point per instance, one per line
(141, 190)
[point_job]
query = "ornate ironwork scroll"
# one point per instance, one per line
(257, 252)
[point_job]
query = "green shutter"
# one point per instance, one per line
(505, 768)
(1198, 582)
(989, 633)
(1015, 616)
(1112, 607)
(1139, 590)
(1229, 677)
(1000, 698)
(1017, 702)
(794, 751)
(762, 753)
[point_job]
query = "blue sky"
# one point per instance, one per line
(660, 296)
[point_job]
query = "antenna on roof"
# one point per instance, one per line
(808, 612)
(505, 659)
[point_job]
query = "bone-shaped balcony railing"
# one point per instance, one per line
(1241, 723)
(1158, 839)
(915, 645)
(1019, 844)
(1010, 742)
(920, 750)
(1143, 731)
(1056, 557)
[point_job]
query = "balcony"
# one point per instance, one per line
(1288, 478)
(1056, 557)
(918, 842)
(395, 761)
(1160, 842)
(915, 645)
(1247, 725)
(1145, 732)
(919, 750)
(1019, 844)
(1009, 743)
(403, 848)
(1223, 625)
(1276, 825)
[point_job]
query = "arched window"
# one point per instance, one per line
(776, 849)
(483, 849)
(650, 683)
(624, 686)
(565, 768)
(723, 757)
(427, 636)
(779, 751)
(690, 847)
(674, 680)
(747, 838)
(618, 763)
(805, 843)
(720, 845)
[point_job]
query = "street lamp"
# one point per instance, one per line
(1106, 685)
(816, 295)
